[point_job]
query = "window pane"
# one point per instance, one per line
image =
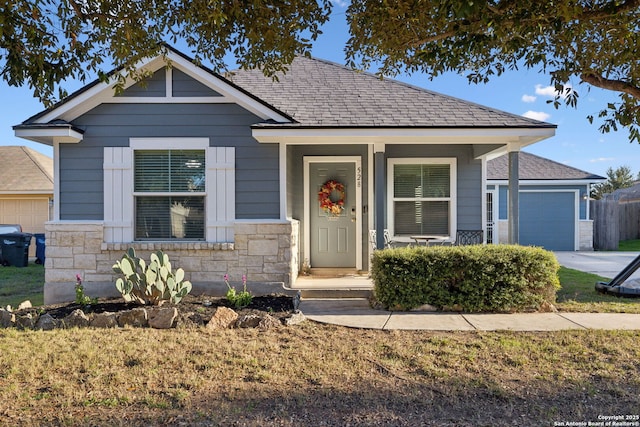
(169, 171)
(435, 180)
(407, 181)
(417, 181)
(151, 171)
(187, 170)
(416, 218)
(170, 218)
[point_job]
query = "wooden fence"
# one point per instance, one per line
(614, 221)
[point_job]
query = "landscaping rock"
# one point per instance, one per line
(425, 307)
(104, 320)
(77, 319)
(262, 322)
(547, 307)
(46, 323)
(137, 317)
(7, 318)
(295, 319)
(223, 318)
(163, 318)
(25, 321)
(24, 305)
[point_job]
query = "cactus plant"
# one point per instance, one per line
(150, 284)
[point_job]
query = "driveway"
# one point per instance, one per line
(605, 264)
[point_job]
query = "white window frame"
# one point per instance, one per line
(452, 199)
(193, 146)
(119, 197)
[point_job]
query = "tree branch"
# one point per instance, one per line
(616, 85)
(457, 26)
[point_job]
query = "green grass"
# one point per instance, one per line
(18, 284)
(629, 245)
(578, 294)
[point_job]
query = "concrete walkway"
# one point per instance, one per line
(356, 312)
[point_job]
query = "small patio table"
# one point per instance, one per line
(427, 240)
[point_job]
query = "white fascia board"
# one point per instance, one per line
(302, 136)
(550, 182)
(103, 93)
(49, 136)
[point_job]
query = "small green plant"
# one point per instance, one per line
(150, 284)
(238, 299)
(83, 299)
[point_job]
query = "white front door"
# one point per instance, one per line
(332, 200)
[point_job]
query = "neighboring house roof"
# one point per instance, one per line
(532, 167)
(319, 93)
(629, 194)
(23, 170)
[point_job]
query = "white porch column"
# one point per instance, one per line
(378, 188)
(514, 196)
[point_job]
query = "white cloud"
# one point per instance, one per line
(550, 91)
(602, 159)
(537, 115)
(528, 98)
(340, 3)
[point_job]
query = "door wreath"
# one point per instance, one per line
(335, 205)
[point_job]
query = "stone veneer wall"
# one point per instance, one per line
(585, 230)
(266, 252)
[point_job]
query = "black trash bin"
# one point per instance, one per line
(15, 249)
(40, 247)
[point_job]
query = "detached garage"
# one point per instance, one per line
(554, 208)
(26, 189)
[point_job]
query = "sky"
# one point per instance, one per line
(577, 143)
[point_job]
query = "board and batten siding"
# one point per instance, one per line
(113, 125)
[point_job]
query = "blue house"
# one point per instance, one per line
(242, 174)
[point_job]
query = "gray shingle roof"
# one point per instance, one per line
(24, 169)
(318, 93)
(532, 167)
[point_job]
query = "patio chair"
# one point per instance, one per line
(469, 237)
(388, 241)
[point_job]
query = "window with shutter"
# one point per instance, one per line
(169, 189)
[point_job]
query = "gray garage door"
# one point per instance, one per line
(548, 220)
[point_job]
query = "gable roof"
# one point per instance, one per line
(23, 170)
(532, 167)
(319, 93)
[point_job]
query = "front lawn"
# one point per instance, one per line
(315, 375)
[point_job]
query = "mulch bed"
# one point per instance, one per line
(193, 311)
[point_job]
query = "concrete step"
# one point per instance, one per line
(335, 272)
(334, 286)
(334, 293)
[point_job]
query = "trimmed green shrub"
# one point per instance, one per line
(477, 278)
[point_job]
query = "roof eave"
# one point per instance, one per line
(401, 135)
(49, 134)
